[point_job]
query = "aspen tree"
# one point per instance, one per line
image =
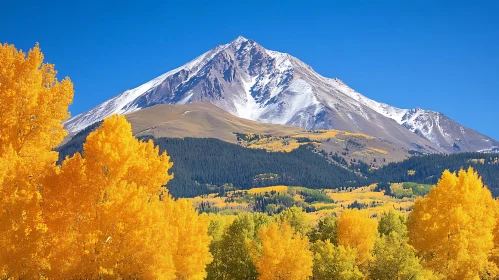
(452, 226)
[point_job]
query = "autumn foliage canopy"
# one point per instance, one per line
(106, 213)
(102, 213)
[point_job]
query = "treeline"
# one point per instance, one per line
(204, 165)
(201, 162)
(428, 168)
(289, 245)
(355, 245)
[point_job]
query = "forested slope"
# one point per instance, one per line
(427, 169)
(207, 165)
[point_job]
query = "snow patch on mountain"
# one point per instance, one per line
(252, 82)
(300, 95)
(247, 108)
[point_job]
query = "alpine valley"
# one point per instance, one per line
(241, 116)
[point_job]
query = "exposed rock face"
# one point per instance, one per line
(251, 82)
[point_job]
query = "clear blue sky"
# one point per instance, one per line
(438, 55)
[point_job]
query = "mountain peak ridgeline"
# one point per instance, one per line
(249, 81)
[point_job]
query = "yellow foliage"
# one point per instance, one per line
(490, 271)
(290, 143)
(33, 105)
(370, 151)
(452, 226)
(110, 198)
(279, 189)
(356, 195)
(192, 253)
(477, 160)
(369, 188)
(282, 254)
(403, 204)
(117, 219)
(376, 201)
(275, 146)
(324, 134)
(356, 230)
(319, 205)
(380, 151)
(101, 215)
(494, 256)
(358, 135)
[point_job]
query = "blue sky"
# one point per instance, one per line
(438, 55)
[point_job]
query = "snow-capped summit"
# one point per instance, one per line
(251, 82)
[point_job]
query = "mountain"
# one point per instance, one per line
(199, 120)
(205, 120)
(205, 165)
(251, 82)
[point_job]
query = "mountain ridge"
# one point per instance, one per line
(205, 120)
(251, 82)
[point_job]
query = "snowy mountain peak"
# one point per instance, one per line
(239, 40)
(249, 81)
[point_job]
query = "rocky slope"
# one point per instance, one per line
(251, 82)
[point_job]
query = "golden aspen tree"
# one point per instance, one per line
(491, 271)
(193, 252)
(452, 226)
(101, 215)
(33, 104)
(358, 231)
(109, 215)
(282, 254)
(107, 212)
